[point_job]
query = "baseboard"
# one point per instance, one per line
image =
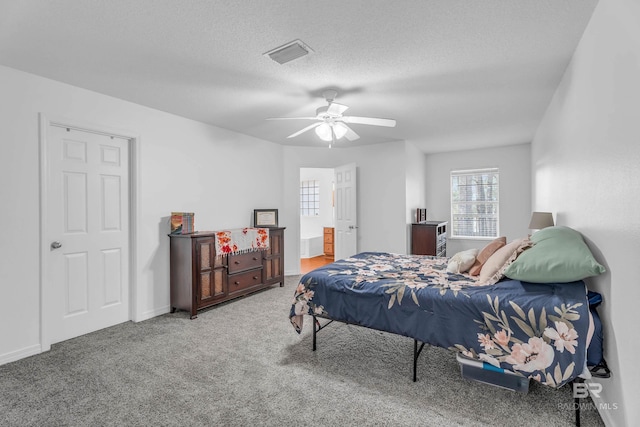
(20, 354)
(292, 272)
(153, 313)
(604, 408)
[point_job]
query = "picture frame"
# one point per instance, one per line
(267, 218)
(181, 222)
(421, 215)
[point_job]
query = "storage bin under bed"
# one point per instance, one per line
(477, 370)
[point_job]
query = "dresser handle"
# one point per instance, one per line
(255, 259)
(236, 283)
(236, 262)
(255, 277)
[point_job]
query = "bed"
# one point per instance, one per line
(538, 330)
(510, 324)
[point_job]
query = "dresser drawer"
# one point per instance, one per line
(242, 262)
(240, 281)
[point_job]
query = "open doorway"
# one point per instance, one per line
(316, 218)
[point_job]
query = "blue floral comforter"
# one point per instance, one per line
(535, 330)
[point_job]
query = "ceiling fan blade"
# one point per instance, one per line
(369, 121)
(305, 129)
(349, 133)
(292, 118)
(336, 109)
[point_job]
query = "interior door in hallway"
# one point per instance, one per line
(346, 226)
(87, 232)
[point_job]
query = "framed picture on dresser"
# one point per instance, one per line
(265, 218)
(421, 215)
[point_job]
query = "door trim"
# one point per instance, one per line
(134, 179)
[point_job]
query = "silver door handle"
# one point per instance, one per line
(352, 227)
(56, 245)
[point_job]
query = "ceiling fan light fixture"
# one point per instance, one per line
(289, 51)
(327, 131)
(324, 132)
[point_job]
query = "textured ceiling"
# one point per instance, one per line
(454, 74)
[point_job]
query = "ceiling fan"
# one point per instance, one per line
(331, 125)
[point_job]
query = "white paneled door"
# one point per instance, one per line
(346, 226)
(87, 229)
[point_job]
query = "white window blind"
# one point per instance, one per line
(475, 203)
(309, 198)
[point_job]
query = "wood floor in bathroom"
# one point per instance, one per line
(308, 264)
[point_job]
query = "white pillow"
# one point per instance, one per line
(462, 261)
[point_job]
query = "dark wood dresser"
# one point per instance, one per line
(201, 279)
(429, 238)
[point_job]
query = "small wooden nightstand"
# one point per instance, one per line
(328, 242)
(429, 238)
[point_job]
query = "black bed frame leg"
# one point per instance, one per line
(576, 401)
(315, 331)
(416, 353)
(415, 360)
(416, 350)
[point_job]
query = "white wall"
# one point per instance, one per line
(416, 186)
(311, 226)
(184, 166)
(514, 163)
(585, 160)
(381, 195)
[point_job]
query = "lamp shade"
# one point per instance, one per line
(540, 220)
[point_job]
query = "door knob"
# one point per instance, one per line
(56, 245)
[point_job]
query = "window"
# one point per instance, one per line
(309, 198)
(474, 203)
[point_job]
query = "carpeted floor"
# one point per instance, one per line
(242, 363)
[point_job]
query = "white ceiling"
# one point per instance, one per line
(454, 74)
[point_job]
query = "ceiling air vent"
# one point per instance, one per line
(288, 52)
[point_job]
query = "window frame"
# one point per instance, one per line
(495, 203)
(311, 206)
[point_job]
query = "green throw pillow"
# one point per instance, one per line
(559, 255)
